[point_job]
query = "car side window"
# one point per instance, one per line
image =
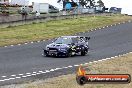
(75, 40)
(78, 40)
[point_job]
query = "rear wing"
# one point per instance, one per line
(86, 38)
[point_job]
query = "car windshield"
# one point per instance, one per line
(63, 40)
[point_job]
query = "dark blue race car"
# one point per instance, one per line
(67, 46)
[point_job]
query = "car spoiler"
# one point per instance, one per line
(87, 38)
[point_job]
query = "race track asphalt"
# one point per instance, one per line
(104, 43)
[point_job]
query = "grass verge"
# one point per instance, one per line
(119, 65)
(55, 28)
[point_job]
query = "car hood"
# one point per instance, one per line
(54, 45)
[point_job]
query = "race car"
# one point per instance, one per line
(67, 46)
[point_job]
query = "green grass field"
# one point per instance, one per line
(55, 28)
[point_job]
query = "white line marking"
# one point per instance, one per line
(76, 65)
(95, 61)
(38, 73)
(4, 76)
(81, 64)
(2, 80)
(90, 62)
(5, 46)
(119, 23)
(107, 26)
(104, 59)
(108, 58)
(6, 79)
(55, 69)
(28, 73)
(119, 55)
(33, 74)
(43, 72)
(11, 78)
(47, 71)
(12, 45)
(130, 52)
(112, 57)
(13, 75)
(20, 74)
(111, 25)
(19, 44)
(129, 21)
(18, 77)
(31, 42)
(100, 60)
(116, 56)
(52, 70)
(70, 66)
(65, 67)
(38, 41)
(43, 40)
(86, 63)
(24, 76)
(58, 68)
(25, 43)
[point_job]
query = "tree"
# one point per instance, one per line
(101, 3)
(85, 3)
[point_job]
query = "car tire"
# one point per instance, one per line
(46, 55)
(83, 52)
(69, 53)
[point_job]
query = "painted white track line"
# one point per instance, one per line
(129, 21)
(19, 76)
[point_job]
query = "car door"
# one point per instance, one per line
(78, 43)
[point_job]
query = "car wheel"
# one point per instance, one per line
(83, 52)
(46, 54)
(69, 54)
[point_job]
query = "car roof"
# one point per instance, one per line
(69, 36)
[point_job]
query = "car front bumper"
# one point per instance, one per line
(55, 53)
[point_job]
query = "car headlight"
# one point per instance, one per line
(47, 48)
(62, 49)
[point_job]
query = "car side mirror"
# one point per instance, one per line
(72, 43)
(87, 38)
(54, 40)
